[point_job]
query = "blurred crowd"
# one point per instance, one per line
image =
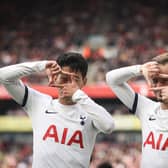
(116, 155)
(109, 34)
(105, 155)
(15, 155)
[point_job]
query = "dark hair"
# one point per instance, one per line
(162, 58)
(75, 61)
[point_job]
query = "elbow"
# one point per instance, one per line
(3, 77)
(110, 78)
(4, 80)
(109, 127)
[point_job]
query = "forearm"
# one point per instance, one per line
(10, 75)
(102, 120)
(121, 75)
(14, 72)
(117, 80)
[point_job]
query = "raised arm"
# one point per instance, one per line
(10, 76)
(117, 80)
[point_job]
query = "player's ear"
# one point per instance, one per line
(84, 80)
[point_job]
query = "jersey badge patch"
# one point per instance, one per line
(82, 120)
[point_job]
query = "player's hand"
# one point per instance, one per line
(149, 71)
(61, 79)
(52, 71)
(163, 93)
(70, 88)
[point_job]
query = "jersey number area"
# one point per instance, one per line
(75, 138)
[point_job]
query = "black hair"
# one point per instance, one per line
(75, 61)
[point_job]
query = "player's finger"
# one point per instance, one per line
(56, 85)
(52, 79)
(50, 64)
(151, 63)
(55, 65)
(66, 73)
(156, 88)
(149, 82)
(154, 69)
(164, 97)
(164, 91)
(55, 68)
(165, 76)
(55, 72)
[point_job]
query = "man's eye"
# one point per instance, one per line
(155, 80)
(77, 80)
(64, 79)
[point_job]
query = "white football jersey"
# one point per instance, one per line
(63, 135)
(154, 120)
(154, 123)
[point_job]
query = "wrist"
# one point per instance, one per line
(41, 65)
(138, 70)
(141, 69)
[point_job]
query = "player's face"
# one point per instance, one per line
(159, 82)
(67, 79)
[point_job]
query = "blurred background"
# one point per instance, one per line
(110, 34)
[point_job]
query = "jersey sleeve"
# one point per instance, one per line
(117, 80)
(10, 78)
(101, 119)
(143, 106)
(35, 102)
(18, 91)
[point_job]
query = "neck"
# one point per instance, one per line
(164, 106)
(66, 101)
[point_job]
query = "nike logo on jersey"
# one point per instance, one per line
(50, 112)
(152, 118)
